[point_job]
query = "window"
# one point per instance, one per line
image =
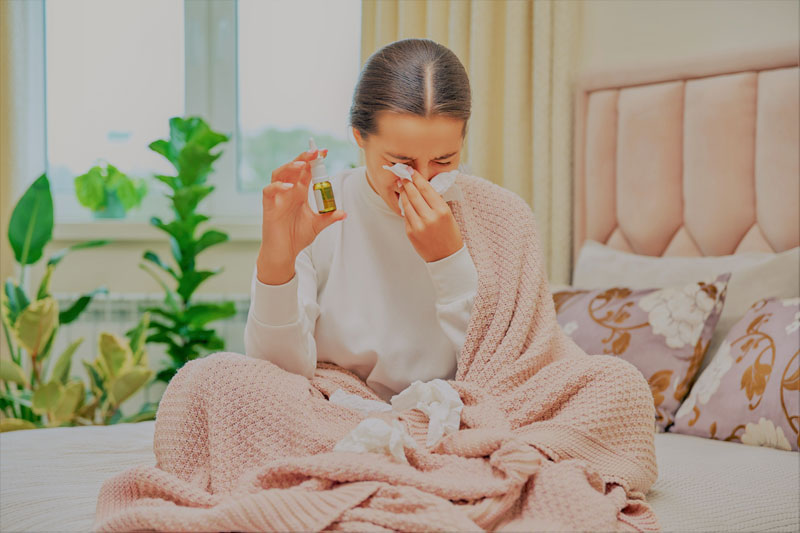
(295, 83)
(269, 73)
(114, 75)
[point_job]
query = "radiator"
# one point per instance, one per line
(117, 313)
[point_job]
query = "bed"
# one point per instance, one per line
(642, 187)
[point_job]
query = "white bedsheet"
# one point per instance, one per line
(50, 478)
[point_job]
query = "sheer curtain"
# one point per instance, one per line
(520, 56)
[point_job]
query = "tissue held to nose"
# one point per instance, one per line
(440, 182)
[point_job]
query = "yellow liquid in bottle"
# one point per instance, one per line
(323, 193)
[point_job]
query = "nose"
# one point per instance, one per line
(425, 172)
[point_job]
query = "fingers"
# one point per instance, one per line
(293, 170)
(310, 155)
(432, 198)
(273, 192)
(415, 197)
(413, 220)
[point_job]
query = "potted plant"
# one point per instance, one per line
(108, 192)
(180, 323)
(34, 393)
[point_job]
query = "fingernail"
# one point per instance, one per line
(286, 185)
(299, 164)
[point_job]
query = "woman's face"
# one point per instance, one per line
(429, 145)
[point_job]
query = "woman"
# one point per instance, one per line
(550, 438)
(384, 295)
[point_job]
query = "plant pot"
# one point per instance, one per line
(113, 209)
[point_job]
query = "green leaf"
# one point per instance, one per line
(201, 314)
(137, 336)
(169, 295)
(44, 285)
(35, 325)
(186, 199)
(74, 311)
(171, 181)
(11, 306)
(16, 301)
(63, 363)
(155, 259)
(130, 192)
(166, 374)
(71, 399)
(90, 189)
(209, 238)
(15, 424)
(47, 397)
(116, 353)
(95, 379)
(22, 298)
(56, 258)
(12, 373)
(49, 344)
(192, 279)
(128, 383)
(31, 224)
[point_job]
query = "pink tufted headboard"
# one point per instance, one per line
(693, 159)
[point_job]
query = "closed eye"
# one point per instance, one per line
(444, 162)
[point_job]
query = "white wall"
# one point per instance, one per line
(618, 33)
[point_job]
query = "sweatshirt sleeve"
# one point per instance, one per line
(455, 280)
(281, 319)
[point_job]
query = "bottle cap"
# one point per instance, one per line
(318, 170)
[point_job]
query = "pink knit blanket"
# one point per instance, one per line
(550, 439)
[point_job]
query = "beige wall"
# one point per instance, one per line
(619, 33)
(117, 267)
(615, 33)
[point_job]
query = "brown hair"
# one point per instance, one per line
(416, 76)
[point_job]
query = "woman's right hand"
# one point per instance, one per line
(288, 223)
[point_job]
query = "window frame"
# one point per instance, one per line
(211, 77)
(210, 90)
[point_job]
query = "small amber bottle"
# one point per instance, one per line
(323, 191)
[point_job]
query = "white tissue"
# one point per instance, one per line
(441, 182)
(438, 400)
(353, 401)
(374, 435)
(400, 170)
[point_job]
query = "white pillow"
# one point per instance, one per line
(754, 275)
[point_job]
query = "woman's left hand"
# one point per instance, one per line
(430, 224)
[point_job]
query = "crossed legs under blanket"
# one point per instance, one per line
(242, 445)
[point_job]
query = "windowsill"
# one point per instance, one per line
(241, 230)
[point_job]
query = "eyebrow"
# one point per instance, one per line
(405, 158)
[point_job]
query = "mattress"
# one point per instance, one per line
(50, 479)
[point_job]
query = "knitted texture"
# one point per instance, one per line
(550, 438)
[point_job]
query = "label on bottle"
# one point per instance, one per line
(323, 194)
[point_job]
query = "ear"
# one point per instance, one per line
(357, 135)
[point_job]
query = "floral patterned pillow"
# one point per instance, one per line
(750, 391)
(662, 332)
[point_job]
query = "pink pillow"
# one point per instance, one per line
(662, 332)
(749, 392)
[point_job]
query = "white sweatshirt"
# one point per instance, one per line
(363, 298)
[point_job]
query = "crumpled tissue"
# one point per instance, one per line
(441, 182)
(438, 400)
(354, 401)
(374, 435)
